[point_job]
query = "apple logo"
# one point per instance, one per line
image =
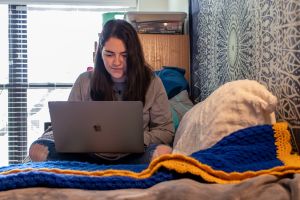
(97, 128)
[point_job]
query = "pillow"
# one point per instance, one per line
(173, 80)
(180, 104)
(233, 106)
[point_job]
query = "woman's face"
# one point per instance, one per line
(114, 56)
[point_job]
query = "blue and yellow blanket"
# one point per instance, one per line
(246, 153)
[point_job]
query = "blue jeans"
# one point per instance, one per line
(134, 158)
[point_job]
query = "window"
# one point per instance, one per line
(3, 81)
(4, 44)
(3, 127)
(37, 109)
(42, 53)
(60, 48)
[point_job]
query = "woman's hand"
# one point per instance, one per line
(161, 150)
(38, 152)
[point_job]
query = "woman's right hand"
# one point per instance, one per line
(38, 152)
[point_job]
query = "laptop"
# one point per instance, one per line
(97, 126)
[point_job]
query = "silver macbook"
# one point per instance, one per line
(97, 126)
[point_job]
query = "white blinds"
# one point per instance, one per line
(17, 87)
(122, 3)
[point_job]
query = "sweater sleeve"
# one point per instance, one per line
(79, 90)
(160, 127)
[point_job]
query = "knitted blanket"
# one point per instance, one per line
(250, 152)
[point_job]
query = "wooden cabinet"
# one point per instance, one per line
(166, 50)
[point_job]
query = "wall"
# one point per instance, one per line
(248, 39)
(179, 5)
(153, 5)
(163, 5)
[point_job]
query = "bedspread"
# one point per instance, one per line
(257, 188)
(244, 154)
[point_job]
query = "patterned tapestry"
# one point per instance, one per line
(248, 39)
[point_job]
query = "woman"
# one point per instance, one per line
(120, 74)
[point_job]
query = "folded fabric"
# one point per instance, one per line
(180, 104)
(233, 106)
(173, 80)
(250, 152)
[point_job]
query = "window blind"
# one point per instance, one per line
(17, 85)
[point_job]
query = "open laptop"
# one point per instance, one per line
(97, 126)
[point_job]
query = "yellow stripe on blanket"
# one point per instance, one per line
(186, 164)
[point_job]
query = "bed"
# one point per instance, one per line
(237, 140)
(248, 156)
(258, 167)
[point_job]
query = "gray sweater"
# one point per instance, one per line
(157, 118)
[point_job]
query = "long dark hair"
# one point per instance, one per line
(139, 73)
